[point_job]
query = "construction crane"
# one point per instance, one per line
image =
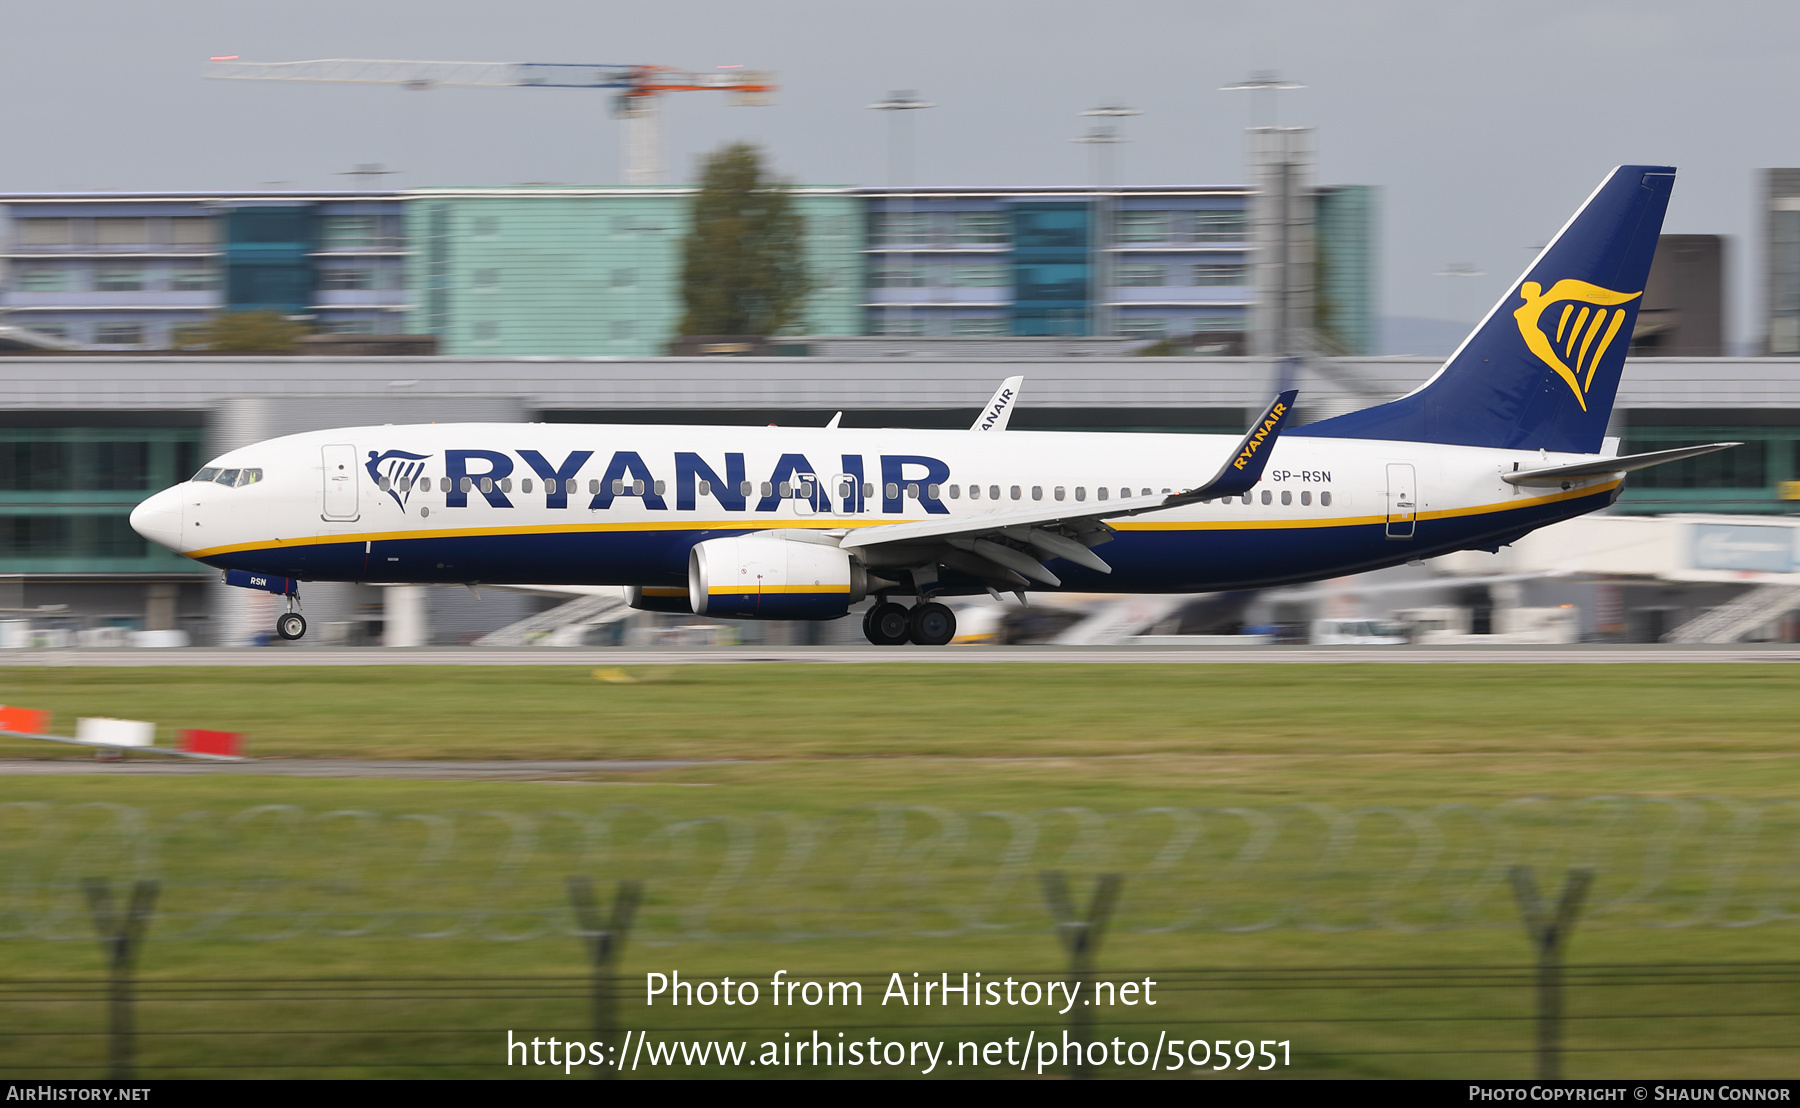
(638, 88)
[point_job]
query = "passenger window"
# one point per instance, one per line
(594, 486)
(955, 491)
(1147, 492)
(1100, 493)
(228, 477)
(382, 484)
(406, 485)
(912, 490)
(1266, 497)
(443, 484)
(207, 474)
(660, 486)
(785, 491)
(993, 492)
(637, 488)
(1081, 492)
(704, 486)
(1305, 498)
(1165, 492)
(525, 484)
(1016, 492)
(974, 492)
(467, 483)
(931, 491)
(573, 486)
(868, 489)
(1286, 497)
(745, 488)
(487, 485)
(1325, 499)
(1037, 492)
(618, 486)
(893, 491)
(1057, 492)
(506, 484)
(1245, 498)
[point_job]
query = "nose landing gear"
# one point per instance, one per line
(292, 624)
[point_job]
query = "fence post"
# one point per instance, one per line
(1549, 934)
(121, 934)
(604, 940)
(1080, 936)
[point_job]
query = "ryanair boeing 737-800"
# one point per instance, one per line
(803, 523)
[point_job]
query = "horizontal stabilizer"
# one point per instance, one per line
(1556, 475)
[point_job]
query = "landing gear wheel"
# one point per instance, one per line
(886, 624)
(931, 624)
(291, 625)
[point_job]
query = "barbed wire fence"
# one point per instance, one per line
(272, 873)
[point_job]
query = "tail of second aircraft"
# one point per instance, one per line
(1541, 369)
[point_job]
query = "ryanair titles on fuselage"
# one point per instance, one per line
(490, 474)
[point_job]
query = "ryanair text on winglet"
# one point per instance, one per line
(1262, 433)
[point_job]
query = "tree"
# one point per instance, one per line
(743, 269)
(261, 332)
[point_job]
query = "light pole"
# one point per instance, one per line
(1103, 136)
(1274, 154)
(899, 207)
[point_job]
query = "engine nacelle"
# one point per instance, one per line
(769, 577)
(658, 598)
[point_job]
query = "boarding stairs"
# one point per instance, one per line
(1731, 622)
(562, 625)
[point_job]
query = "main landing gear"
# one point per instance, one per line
(292, 624)
(929, 624)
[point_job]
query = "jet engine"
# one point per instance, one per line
(764, 576)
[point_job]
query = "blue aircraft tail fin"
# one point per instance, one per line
(1541, 369)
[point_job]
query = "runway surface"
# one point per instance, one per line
(1596, 654)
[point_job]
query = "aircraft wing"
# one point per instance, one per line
(1065, 530)
(1556, 475)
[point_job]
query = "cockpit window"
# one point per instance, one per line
(230, 478)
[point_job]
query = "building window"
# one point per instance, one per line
(487, 331)
(487, 226)
(192, 230)
(121, 231)
(43, 280)
(44, 232)
(486, 279)
(980, 276)
(69, 536)
(348, 232)
(898, 228)
(356, 280)
(1143, 227)
(1218, 323)
(58, 331)
(624, 330)
(622, 278)
(194, 280)
(979, 327)
(119, 334)
(1141, 327)
(910, 328)
(1221, 227)
(980, 228)
(119, 280)
(897, 277)
(1221, 273)
(1745, 467)
(348, 327)
(1138, 276)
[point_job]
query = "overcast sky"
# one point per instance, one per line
(1484, 124)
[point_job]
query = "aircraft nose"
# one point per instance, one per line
(159, 519)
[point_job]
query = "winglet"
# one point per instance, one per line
(1244, 468)
(999, 410)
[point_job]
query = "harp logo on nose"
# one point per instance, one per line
(1571, 341)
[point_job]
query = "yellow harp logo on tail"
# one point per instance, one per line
(1571, 341)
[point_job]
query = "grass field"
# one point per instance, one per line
(864, 820)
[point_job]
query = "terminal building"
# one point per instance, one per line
(596, 271)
